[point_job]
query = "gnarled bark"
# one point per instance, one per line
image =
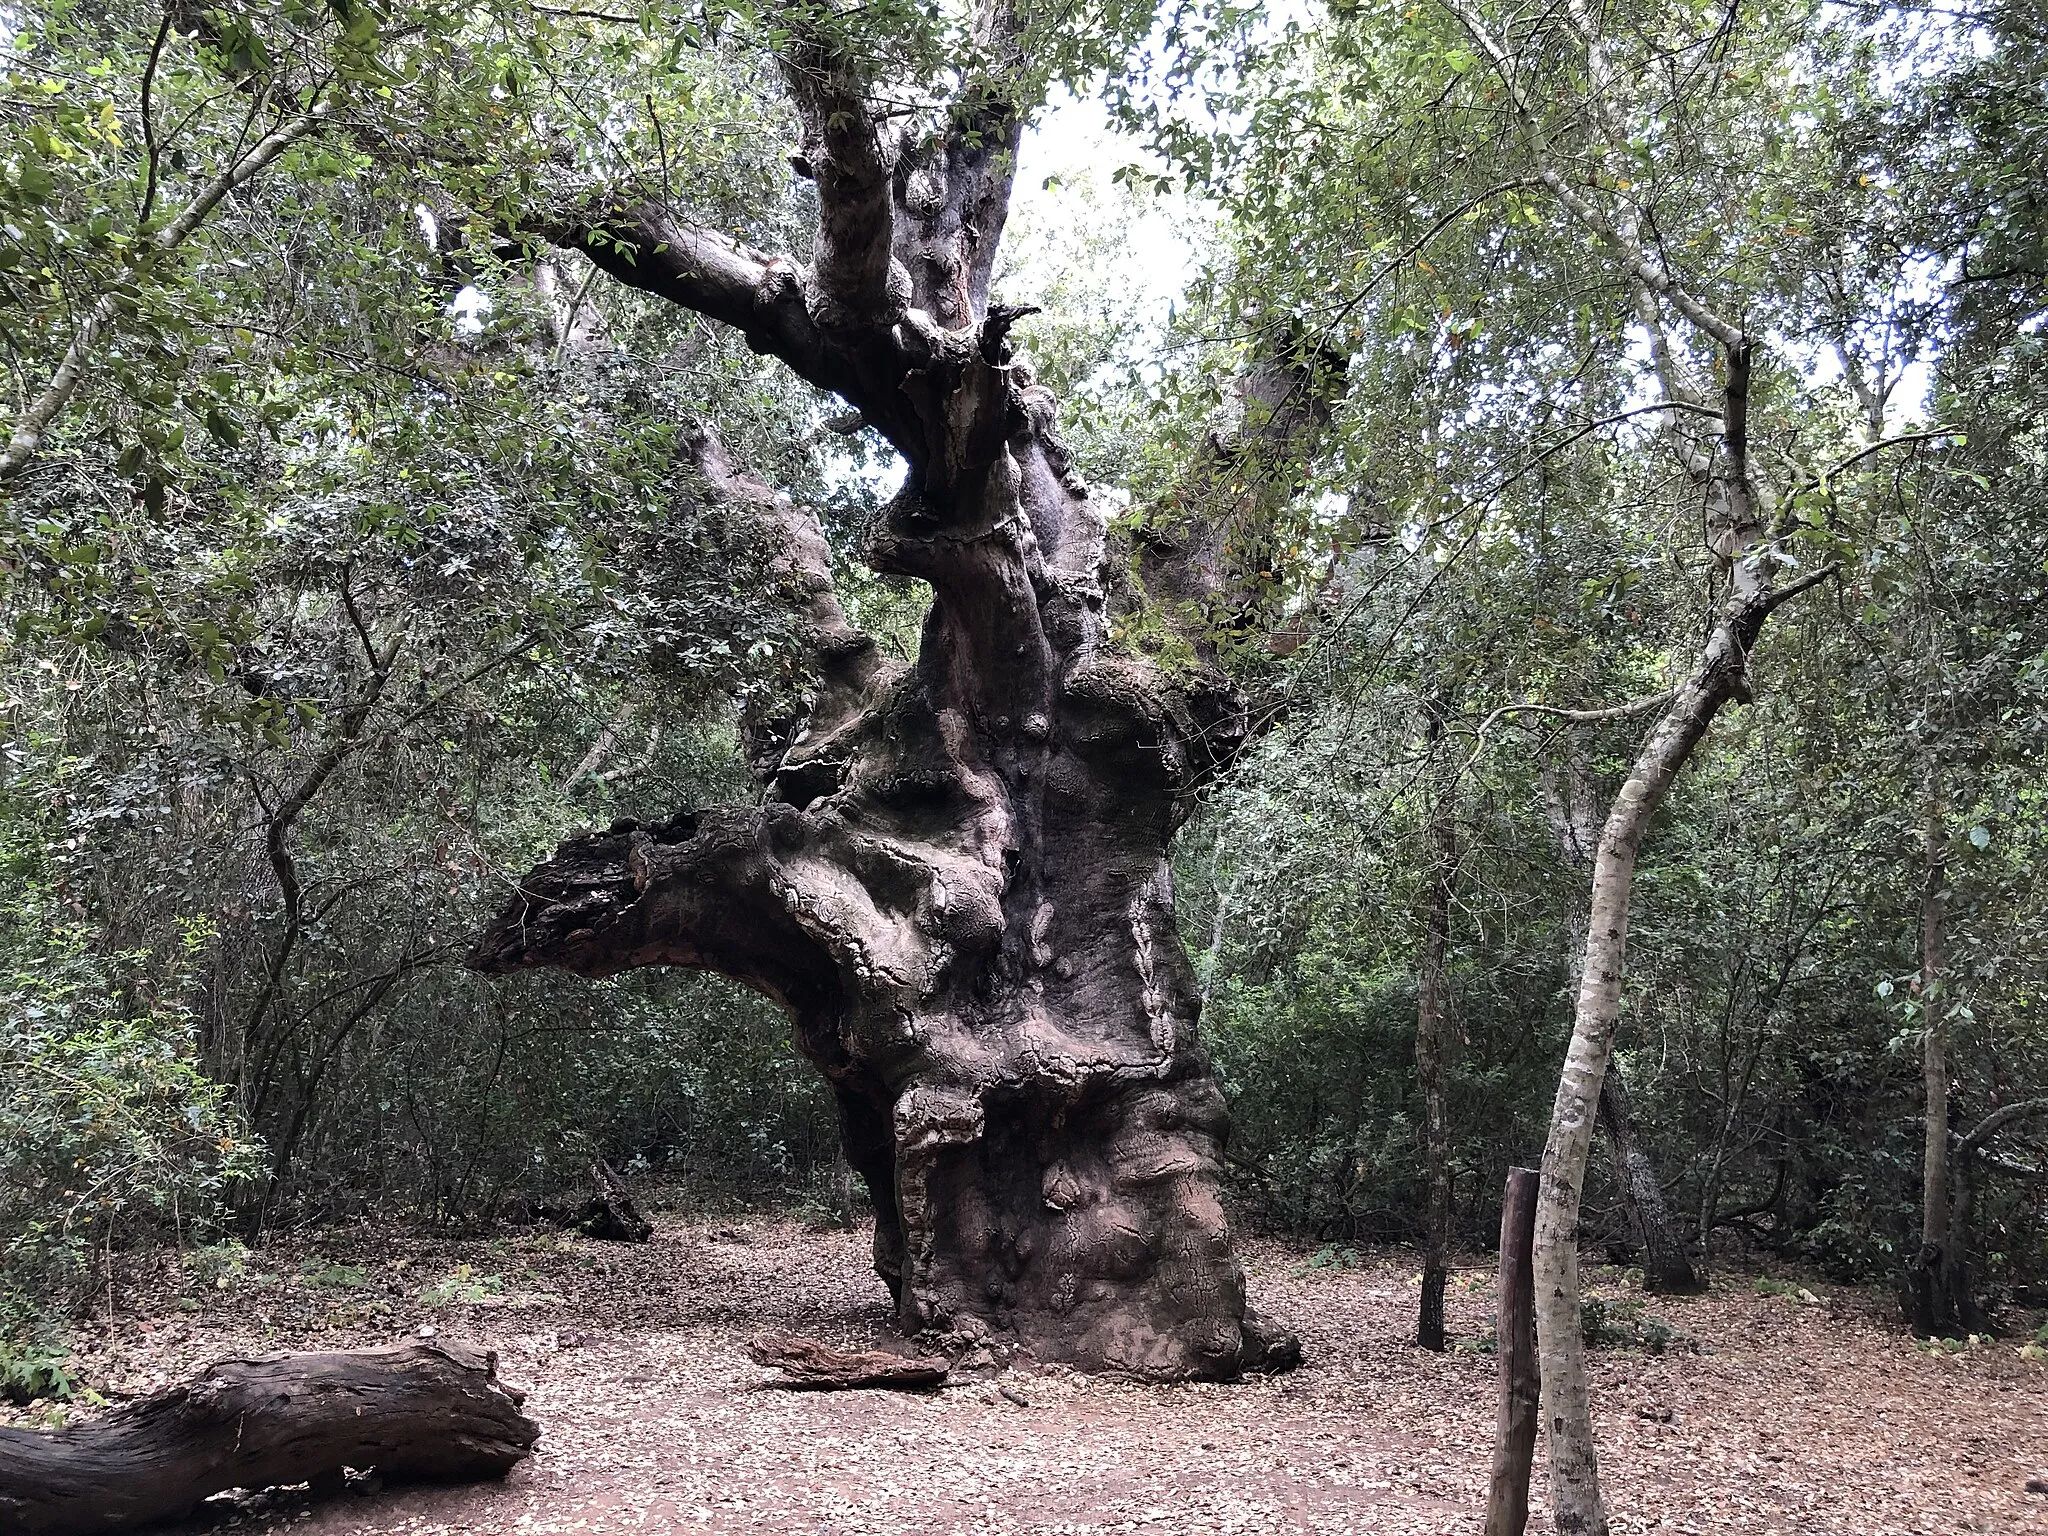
(413, 1412)
(957, 881)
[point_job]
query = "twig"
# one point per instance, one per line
(150, 148)
(1574, 716)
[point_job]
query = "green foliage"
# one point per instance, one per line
(462, 1286)
(1623, 1324)
(107, 1120)
(1330, 1256)
(344, 1277)
(32, 1371)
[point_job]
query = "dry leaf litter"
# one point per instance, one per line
(1802, 1413)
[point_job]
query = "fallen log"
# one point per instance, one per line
(809, 1366)
(413, 1412)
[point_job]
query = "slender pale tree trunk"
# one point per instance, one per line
(1739, 532)
(1430, 1028)
(1568, 798)
(1561, 1349)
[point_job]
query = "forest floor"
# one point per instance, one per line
(1771, 1414)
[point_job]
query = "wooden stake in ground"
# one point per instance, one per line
(1514, 1446)
(413, 1412)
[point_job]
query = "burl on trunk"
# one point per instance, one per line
(957, 881)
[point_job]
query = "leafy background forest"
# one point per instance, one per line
(353, 567)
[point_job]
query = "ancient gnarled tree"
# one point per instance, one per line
(956, 881)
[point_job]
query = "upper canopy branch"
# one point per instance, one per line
(1208, 554)
(1622, 233)
(645, 247)
(856, 283)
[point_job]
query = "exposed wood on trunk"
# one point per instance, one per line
(807, 1365)
(1514, 1442)
(414, 1412)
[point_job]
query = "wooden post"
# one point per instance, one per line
(1514, 1446)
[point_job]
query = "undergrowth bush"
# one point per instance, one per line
(107, 1123)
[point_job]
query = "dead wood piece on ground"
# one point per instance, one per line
(413, 1412)
(807, 1364)
(609, 1213)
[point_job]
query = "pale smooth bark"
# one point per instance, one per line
(1739, 538)
(1667, 1270)
(1719, 677)
(1560, 1345)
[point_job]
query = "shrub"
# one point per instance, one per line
(1624, 1325)
(106, 1119)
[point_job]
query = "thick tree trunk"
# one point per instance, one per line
(412, 1412)
(1514, 1443)
(957, 883)
(1666, 1269)
(1430, 1026)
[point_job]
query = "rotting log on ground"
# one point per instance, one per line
(412, 1412)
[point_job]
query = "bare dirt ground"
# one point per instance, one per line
(1791, 1416)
